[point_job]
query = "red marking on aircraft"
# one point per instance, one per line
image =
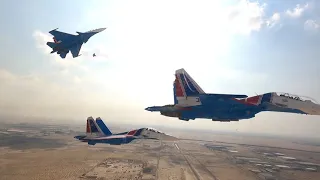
(253, 100)
(131, 133)
(88, 127)
(179, 92)
(250, 100)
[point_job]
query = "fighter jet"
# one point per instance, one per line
(98, 132)
(191, 102)
(64, 42)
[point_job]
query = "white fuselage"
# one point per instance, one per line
(306, 106)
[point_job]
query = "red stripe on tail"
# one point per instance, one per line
(179, 92)
(88, 127)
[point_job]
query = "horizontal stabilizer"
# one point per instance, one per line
(225, 95)
(51, 44)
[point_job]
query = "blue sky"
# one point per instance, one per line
(243, 47)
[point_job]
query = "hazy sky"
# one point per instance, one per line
(243, 47)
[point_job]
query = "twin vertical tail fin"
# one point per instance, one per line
(92, 129)
(96, 128)
(186, 90)
(105, 130)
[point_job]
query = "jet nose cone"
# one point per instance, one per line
(153, 108)
(317, 110)
(79, 137)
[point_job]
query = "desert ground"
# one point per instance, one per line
(41, 154)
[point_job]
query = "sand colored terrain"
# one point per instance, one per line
(63, 158)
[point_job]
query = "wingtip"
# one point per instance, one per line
(99, 30)
(54, 29)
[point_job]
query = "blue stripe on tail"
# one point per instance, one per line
(175, 94)
(103, 127)
(188, 86)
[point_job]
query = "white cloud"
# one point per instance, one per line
(246, 17)
(75, 98)
(297, 11)
(275, 17)
(273, 20)
(99, 51)
(311, 25)
(77, 80)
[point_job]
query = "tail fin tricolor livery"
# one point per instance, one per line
(105, 130)
(175, 91)
(188, 93)
(188, 86)
(92, 128)
(186, 89)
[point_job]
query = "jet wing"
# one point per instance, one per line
(75, 50)
(60, 36)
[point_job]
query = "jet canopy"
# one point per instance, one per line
(296, 97)
(154, 130)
